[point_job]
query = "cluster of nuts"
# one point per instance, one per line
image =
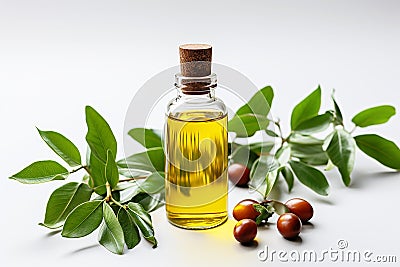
(250, 213)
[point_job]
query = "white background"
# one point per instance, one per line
(58, 56)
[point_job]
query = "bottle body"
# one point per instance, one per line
(196, 145)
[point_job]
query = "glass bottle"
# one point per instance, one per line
(196, 145)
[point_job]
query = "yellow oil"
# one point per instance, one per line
(196, 169)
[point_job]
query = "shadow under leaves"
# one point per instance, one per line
(362, 179)
(77, 251)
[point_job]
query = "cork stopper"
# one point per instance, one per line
(195, 60)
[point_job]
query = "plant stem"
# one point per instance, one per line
(108, 197)
(87, 170)
(352, 131)
(117, 203)
(278, 124)
(80, 168)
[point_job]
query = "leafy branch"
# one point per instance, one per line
(300, 152)
(116, 199)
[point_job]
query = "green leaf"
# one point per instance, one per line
(146, 137)
(85, 178)
(283, 154)
(288, 176)
(341, 152)
(263, 175)
(99, 137)
(111, 235)
(308, 150)
(338, 112)
(271, 133)
(131, 232)
(62, 146)
(62, 201)
(265, 213)
(41, 172)
(310, 177)
(329, 166)
(246, 125)
(299, 139)
(151, 160)
(259, 104)
(278, 207)
(153, 184)
(143, 221)
(384, 151)
(133, 173)
(261, 147)
(83, 220)
(374, 116)
(306, 109)
(116, 195)
(244, 155)
(150, 202)
(316, 160)
(315, 124)
(305, 151)
(97, 179)
(128, 193)
(111, 170)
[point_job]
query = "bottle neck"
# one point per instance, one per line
(196, 86)
(199, 96)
